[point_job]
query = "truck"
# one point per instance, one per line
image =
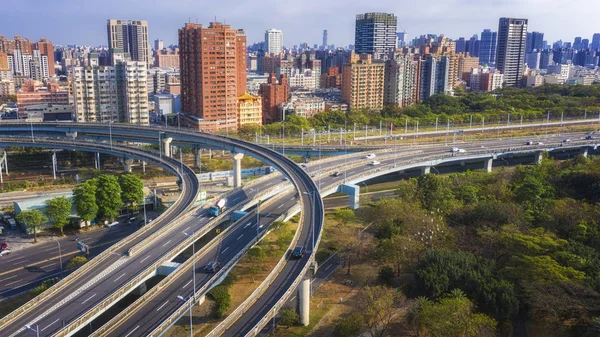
(217, 208)
(236, 215)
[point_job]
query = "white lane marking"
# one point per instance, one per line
(327, 267)
(144, 259)
(48, 265)
(240, 236)
(223, 251)
(278, 207)
(8, 278)
(13, 282)
(49, 249)
(118, 278)
(248, 224)
(49, 325)
(188, 227)
(187, 284)
(19, 258)
(132, 331)
(162, 305)
(293, 198)
(166, 243)
(20, 262)
(89, 298)
(291, 299)
(268, 215)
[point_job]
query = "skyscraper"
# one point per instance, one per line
(213, 74)
(510, 59)
(535, 41)
(577, 43)
(472, 46)
(595, 42)
(128, 36)
(324, 38)
(401, 39)
(274, 41)
(487, 47)
(375, 34)
(158, 44)
(461, 45)
(400, 81)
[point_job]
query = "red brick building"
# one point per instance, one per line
(331, 79)
(32, 93)
(273, 94)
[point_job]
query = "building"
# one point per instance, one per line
(7, 88)
(561, 70)
(375, 34)
(595, 45)
(158, 45)
(274, 41)
(401, 39)
(581, 80)
(532, 59)
(46, 49)
(273, 94)
(483, 80)
(487, 47)
(249, 110)
(363, 83)
(510, 58)
(33, 93)
(305, 78)
(534, 80)
(107, 94)
(400, 81)
(324, 39)
(303, 107)
(128, 36)
(466, 64)
(332, 78)
(213, 74)
(167, 104)
(535, 41)
(49, 113)
(166, 59)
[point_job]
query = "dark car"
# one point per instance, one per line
(337, 174)
(212, 267)
(298, 252)
(589, 137)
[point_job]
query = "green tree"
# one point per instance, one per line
(77, 261)
(344, 215)
(289, 317)
(58, 210)
(257, 255)
(108, 197)
(378, 307)
(84, 198)
(349, 326)
(132, 189)
(34, 219)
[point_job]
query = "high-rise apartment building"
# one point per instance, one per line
(28, 60)
(400, 81)
(510, 58)
(487, 47)
(106, 94)
(466, 64)
(128, 36)
(363, 83)
(472, 46)
(166, 59)
(46, 49)
(535, 41)
(274, 41)
(375, 34)
(273, 94)
(324, 38)
(213, 74)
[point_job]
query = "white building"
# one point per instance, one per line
(274, 41)
(306, 79)
(400, 81)
(562, 70)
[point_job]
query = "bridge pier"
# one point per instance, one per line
(127, 164)
(462, 163)
(539, 155)
(304, 299)
(237, 169)
(487, 164)
(3, 163)
(584, 151)
(73, 135)
(197, 157)
(167, 146)
(141, 290)
(97, 160)
(353, 192)
(425, 170)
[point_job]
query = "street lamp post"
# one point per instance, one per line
(191, 304)
(36, 330)
(59, 255)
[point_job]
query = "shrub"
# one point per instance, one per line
(77, 261)
(289, 317)
(349, 325)
(386, 275)
(222, 298)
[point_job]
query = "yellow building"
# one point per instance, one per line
(363, 83)
(249, 110)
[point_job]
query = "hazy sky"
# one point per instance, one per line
(84, 21)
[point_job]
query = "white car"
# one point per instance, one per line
(5, 252)
(375, 162)
(371, 156)
(456, 149)
(539, 143)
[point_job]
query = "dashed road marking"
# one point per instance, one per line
(119, 277)
(224, 250)
(132, 331)
(89, 298)
(162, 305)
(49, 325)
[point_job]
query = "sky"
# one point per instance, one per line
(84, 21)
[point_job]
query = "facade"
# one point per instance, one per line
(375, 34)
(363, 83)
(166, 59)
(7, 88)
(532, 59)
(107, 94)
(304, 107)
(535, 41)
(129, 36)
(487, 47)
(466, 64)
(534, 80)
(510, 59)
(274, 41)
(306, 79)
(595, 45)
(400, 81)
(249, 110)
(324, 39)
(32, 93)
(332, 78)
(485, 81)
(49, 113)
(46, 48)
(428, 72)
(213, 74)
(273, 94)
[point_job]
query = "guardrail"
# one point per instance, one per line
(102, 256)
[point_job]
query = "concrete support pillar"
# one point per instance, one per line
(425, 170)
(197, 154)
(127, 164)
(97, 160)
(141, 290)
(487, 164)
(71, 134)
(237, 169)
(167, 146)
(583, 151)
(304, 298)
(462, 163)
(3, 164)
(539, 155)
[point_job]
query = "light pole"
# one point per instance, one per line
(160, 133)
(59, 255)
(366, 187)
(110, 133)
(194, 262)
(36, 330)
(191, 325)
(257, 219)
(144, 210)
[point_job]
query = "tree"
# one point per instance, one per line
(58, 210)
(77, 261)
(108, 197)
(132, 189)
(343, 215)
(289, 317)
(34, 219)
(256, 255)
(349, 326)
(379, 307)
(84, 198)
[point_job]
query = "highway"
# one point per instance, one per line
(291, 269)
